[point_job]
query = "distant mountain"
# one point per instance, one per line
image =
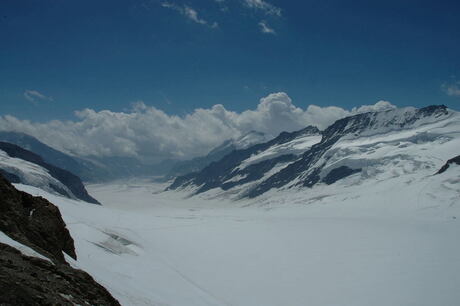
(23, 166)
(198, 163)
(52, 156)
(362, 145)
(250, 164)
(89, 169)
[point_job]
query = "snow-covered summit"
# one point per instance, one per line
(353, 146)
(22, 166)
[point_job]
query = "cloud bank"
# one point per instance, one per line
(150, 134)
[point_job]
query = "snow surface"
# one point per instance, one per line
(31, 174)
(25, 250)
(387, 235)
(391, 241)
(297, 146)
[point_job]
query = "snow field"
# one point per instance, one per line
(391, 242)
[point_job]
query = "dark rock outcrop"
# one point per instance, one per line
(35, 222)
(339, 173)
(32, 281)
(71, 181)
(455, 160)
(24, 280)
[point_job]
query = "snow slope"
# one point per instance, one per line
(241, 169)
(32, 174)
(25, 250)
(376, 145)
(388, 240)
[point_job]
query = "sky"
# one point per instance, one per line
(70, 62)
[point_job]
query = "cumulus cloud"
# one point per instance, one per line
(148, 133)
(189, 13)
(34, 96)
(452, 88)
(377, 107)
(264, 6)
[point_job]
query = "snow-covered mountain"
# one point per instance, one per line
(251, 163)
(199, 163)
(50, 155)
(22, 166)
(374, 144)
(379, 225)
(88, 168)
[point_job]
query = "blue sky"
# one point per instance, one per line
(60, 56)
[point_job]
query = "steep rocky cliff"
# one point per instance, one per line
(36, 223)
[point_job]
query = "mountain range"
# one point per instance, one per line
(360, 146)
(22, 166)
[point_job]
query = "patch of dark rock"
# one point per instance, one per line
(455, 160)
(32, 281)
(217, 173)
(339, 173)
(35, 222)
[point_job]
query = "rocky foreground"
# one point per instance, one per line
(24, 280)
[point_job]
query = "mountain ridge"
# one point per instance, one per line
(308, 168)
(68, 179)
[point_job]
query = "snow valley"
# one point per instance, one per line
(363, 212)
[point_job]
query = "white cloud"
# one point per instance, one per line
(189, 12)
(377, 107)
(265, 28)
(262, 5)
(35, 96)
(452, 89)
(150, 134)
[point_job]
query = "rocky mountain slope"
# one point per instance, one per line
(197, 164)
(251, 164)
(33, 240)
(82, 168)
(364, 145)
(20, 165)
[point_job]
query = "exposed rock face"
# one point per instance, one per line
(33, 281)
(199, 163)
(361, 124)
(36, 223)
(71, 181)
(455, 160)
(339, 173)
(220, 173)
(304, 168)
